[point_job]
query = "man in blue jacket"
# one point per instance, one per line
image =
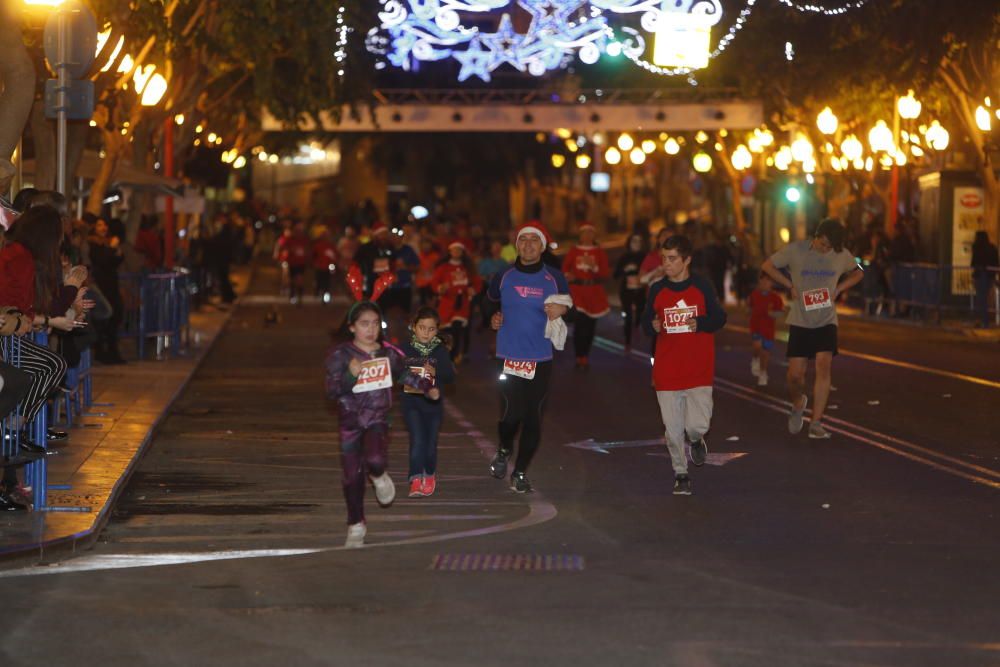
(518, 295)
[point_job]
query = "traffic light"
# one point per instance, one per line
(793, 194)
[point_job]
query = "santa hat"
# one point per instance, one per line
(379, 228)
(458, 243)
(537, 228)
(585, 225)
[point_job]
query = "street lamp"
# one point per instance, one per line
(612, 156)
(741, 158)
(582, 161)
(671, 146)
(852, 148)
(983, 120)
(880, 138)
(702, 162)
(937, 137)
(908, 106)
(637, 156)
(826, 121)
(625, 141)
(802, 150)
(648, 146)
(154, 90)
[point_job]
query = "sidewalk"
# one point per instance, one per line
(105, 443)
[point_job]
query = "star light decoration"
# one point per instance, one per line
(416, 31)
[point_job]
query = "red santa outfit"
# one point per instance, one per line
(457, 283)
(585, 267)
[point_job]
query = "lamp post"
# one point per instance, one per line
(908, 109)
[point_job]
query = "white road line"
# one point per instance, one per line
(902, 364)
(991, 478)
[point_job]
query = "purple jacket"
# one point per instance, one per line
(359, 411)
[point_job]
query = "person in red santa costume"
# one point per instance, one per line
(456, 281)
(586, 269)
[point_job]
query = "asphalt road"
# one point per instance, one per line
(877, 547)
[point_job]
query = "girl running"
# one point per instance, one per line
(630, 290)
(359, 377)
(428, 362)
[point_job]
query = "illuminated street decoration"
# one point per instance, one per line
(411, 32)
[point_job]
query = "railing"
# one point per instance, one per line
(156, 305)
(931, 290)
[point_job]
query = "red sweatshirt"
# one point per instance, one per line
(17, 278)
(683, 360)
(459, 286)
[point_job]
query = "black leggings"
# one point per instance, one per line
(584, 328)
(460, 338)
(522, 403)
(633, 303)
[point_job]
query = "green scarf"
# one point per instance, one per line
(424, 350)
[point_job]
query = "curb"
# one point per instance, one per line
(70, 544)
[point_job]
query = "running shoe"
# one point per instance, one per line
(795, 419)
(430, 485)
(417, 487)
(498, 466)
(356, 535)
(682, 485)
(385, 490)
(519, 483)
(817, 432)
(755, 367)
(762, 379)
(699, 452)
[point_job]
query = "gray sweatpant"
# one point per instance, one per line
(686, 414)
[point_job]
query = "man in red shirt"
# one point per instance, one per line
(683, 314)
(765, 304)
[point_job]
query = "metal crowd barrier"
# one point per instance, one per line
(35, 472)
(930, 289)
(156, 305)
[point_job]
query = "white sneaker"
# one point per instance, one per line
(755, 367)
(385, 490)
(795, 417)
(356, 535)
(762, 380)
(817, 432)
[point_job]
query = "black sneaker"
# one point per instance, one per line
(498, 466)
(682, 485)
(699, 452)
(519, 483)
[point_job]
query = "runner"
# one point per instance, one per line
(765, 305)
(324, 261)
(816, 267)
(426, 358)
(296, 254)
(359, 377)
(585, 267)
(522, 300)
(457, 282)
(631, 292)
(683, 314)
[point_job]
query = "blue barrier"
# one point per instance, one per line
(156, 305)
(928, 288)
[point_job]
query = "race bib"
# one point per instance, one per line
(675, 320)
(381, 265)
(815, 299)
(521, 369)
(632, 282)
(374, 374)
(420, 372)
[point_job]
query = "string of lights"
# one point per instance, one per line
(340, 53)
(828, 11)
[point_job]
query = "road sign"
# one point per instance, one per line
(79, 99)
(81, 38)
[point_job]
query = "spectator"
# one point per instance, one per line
(149, 243)
(985, 267)
(106, 257)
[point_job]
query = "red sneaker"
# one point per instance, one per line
(417, 487)
(430, 484)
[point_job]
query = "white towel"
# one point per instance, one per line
(555, 330)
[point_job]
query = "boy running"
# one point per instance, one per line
(682, 313)
(765, 305)
(816, 267)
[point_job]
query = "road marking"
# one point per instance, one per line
(987, 476)
(902, 364)
(604, 447)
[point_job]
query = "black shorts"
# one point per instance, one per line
(805, 342)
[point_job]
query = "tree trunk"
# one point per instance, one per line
(44, 137)
(735, 186)
(17, 74)
(112, 150)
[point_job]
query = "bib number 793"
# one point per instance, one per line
(815, 299)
